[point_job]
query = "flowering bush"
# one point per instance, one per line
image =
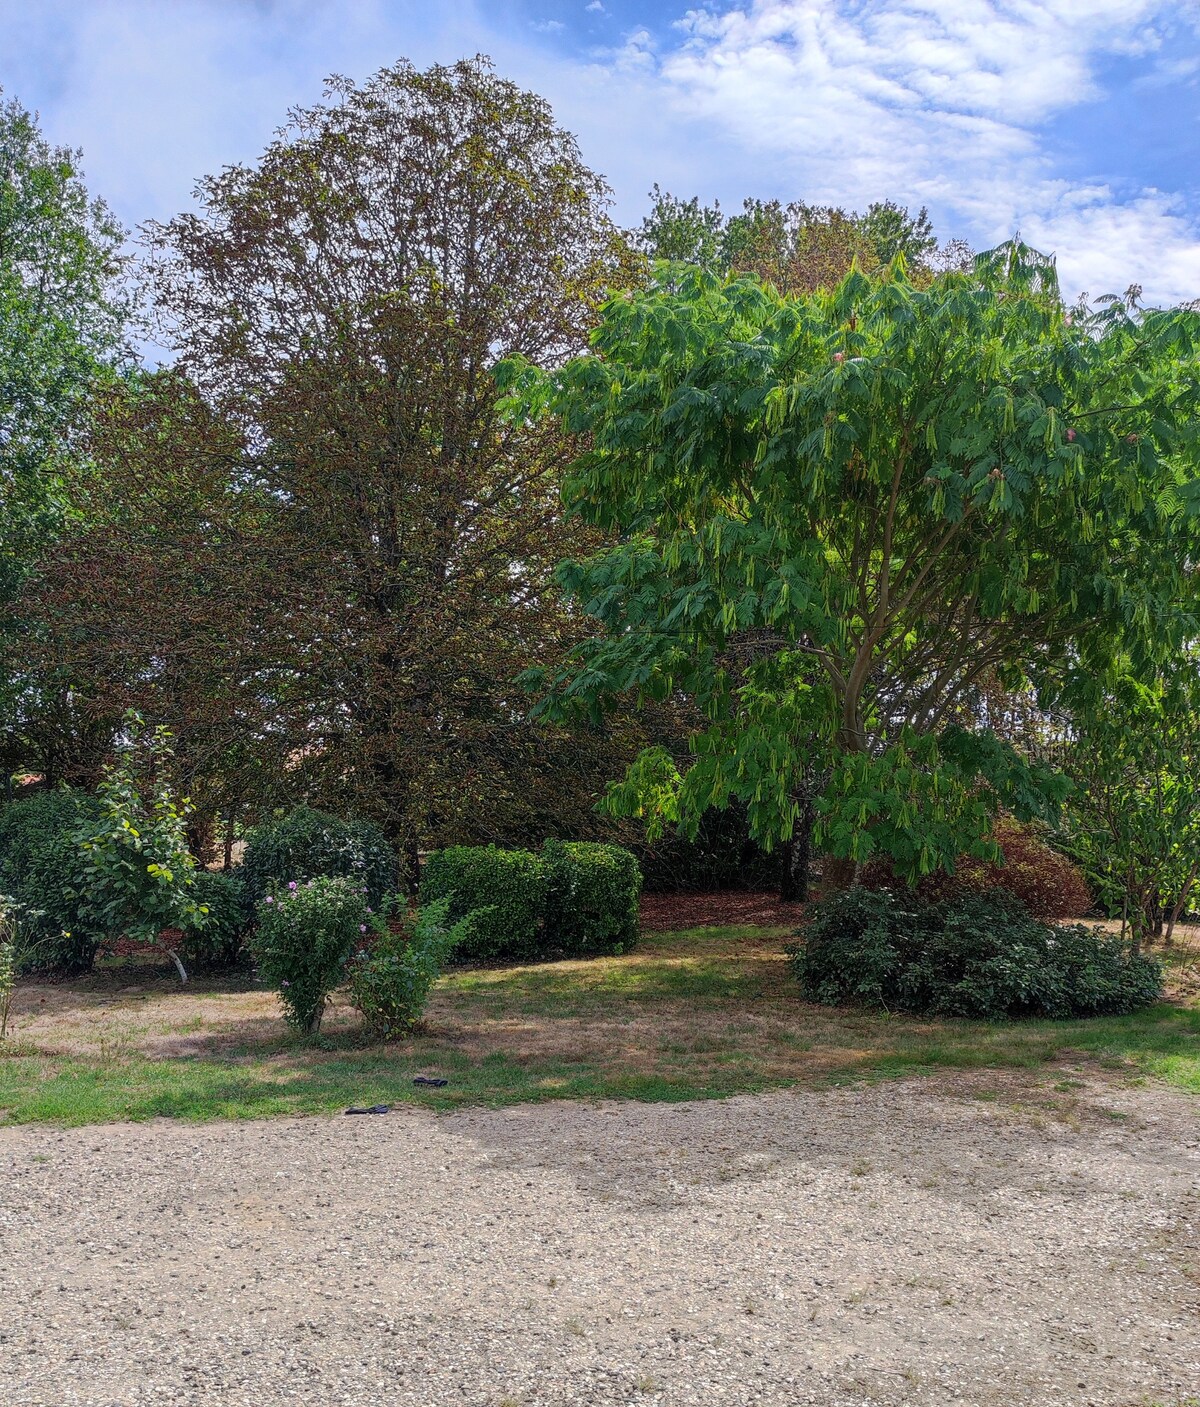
(390, 981)
(304, 938)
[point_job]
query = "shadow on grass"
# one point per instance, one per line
(688, 1015)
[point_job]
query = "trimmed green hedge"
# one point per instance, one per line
(220, 943)
(307, 844)
(575, 898)
(592, 894)
(505, 888)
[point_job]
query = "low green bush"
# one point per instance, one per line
(307, 843)
(305, 934)
(217, 944)
(390, 980)
(981, 956)
(504, 889)
(42, 871)
(592, 893)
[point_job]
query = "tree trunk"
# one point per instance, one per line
(412, 866)
(796, 857)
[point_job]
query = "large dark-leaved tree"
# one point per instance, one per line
(350, 548)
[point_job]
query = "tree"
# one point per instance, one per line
(839, 513)
(1133, 751)
(336, 311)
(62, 312)
(798, 247)
(138, 875)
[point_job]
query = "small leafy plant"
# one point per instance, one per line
(304, 938)
(138, 874)
(390, 981)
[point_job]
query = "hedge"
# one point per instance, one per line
(575, 898)
(308, 844)
(219, 944)
(505, 889)
(592, 894)
(41, 870)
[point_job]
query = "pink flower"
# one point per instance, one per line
(292, 885)
(362, 927)
(1070, 435)
(839, 356)
(269, 900)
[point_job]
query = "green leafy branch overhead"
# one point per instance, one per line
(836, 516)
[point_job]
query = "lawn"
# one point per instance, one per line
(693, 1014)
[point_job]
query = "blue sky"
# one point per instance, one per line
(1076, 121)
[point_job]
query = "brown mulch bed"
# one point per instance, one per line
(663, 912)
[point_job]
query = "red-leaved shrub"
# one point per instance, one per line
(1047, 883)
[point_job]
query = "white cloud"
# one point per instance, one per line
(938, 102)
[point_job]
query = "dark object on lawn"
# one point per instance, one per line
(374, 1109)
(426, 1080)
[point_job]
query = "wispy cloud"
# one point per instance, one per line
(951, 103)
(941, 102)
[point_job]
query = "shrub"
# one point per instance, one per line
(304, 937)
(592, 893)
(308, 843)
(138, 875)
(390, 980)
(218, 943)
(504, 889)
(982, 956)
(1047, 883)
(42, 871)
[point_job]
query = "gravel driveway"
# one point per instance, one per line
(907, 1243)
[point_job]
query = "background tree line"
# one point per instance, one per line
(791, 516)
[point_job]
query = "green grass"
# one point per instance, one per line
(691, 1015)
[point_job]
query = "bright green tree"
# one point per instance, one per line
(838, 514)
(138, 874)
(1134, 819)
(62, 314)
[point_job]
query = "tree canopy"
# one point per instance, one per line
(838, 512)
(62, 314)
(325, 540)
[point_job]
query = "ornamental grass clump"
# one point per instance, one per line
(390, 980)
(305, 935)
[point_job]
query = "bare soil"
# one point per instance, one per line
(928, 1242)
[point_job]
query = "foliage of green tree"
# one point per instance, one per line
(138, 876)
(796, 246)
(62, 315)
(1134, 819)
(837, 513)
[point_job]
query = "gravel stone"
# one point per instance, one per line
(926, 1242)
